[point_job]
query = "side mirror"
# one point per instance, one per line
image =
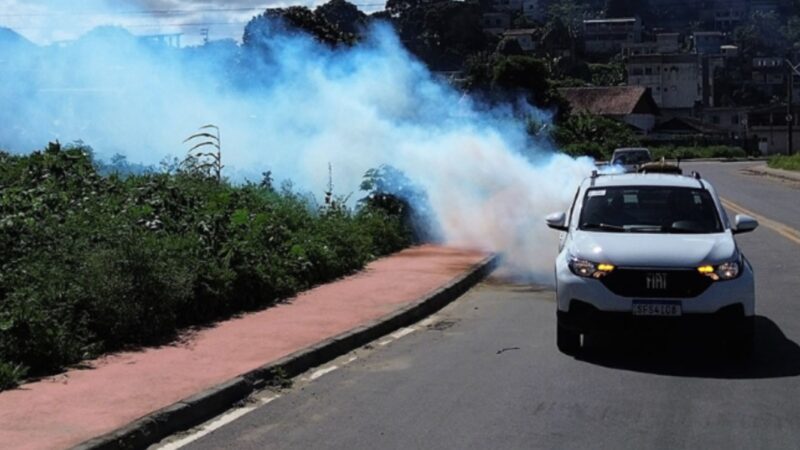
(557, 221)
(744, 224)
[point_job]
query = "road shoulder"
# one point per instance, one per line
(134, 399)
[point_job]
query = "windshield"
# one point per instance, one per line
(650, 209)
(632, 157)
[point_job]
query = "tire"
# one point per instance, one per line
(568, 341)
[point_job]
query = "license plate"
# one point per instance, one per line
(656, 308)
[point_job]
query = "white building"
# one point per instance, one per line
(607, 36)
(507, 5)
(675, 81)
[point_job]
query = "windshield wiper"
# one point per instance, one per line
(645, 228)
(602, 226)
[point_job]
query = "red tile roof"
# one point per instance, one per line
(610, 100)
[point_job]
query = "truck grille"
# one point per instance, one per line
(656, 283)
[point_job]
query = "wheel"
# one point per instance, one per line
(568, 341)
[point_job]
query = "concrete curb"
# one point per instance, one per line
(778, 173)
(201, 407)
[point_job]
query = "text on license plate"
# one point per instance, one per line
(656, 308)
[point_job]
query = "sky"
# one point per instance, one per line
(50, 21)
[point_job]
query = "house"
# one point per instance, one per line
(639, 48)
(514, 6)
(535, 10)
(731, 118)
(668, 42)
(729, 51)
(769, 126)
(764, 6)
(769, 75)
(495, 23)
(675, 80)
(607, 36)
(688, 131)
(707, 42)
(527, 38)
(629, 104)
(729, 14)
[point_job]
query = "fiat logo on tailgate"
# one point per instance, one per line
(656, 281)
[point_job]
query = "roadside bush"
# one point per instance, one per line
(92, 263)
(785, 162)
(595, 136)
(716, 151)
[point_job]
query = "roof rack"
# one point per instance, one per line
(660, 167)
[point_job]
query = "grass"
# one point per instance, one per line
(785, 162)
(93, 262)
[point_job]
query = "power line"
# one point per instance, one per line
(155, 12)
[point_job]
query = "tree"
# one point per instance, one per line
(570, 12)
(595, 136)
(791, 31)
(611, 74)
(514, 75)
(627, 8)
(442, 34)
(763, 33)
(293, 20)
(344, 15)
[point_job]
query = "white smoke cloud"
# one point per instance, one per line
(294, 113)
(50, 21)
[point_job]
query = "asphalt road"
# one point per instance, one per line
(485, 373)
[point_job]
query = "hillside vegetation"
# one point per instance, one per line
(91, 263)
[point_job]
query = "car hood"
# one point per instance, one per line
(652, 250)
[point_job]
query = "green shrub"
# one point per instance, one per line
(92, 263)
(10, 375)
(785, 162)
(595, 136)
(716, 151)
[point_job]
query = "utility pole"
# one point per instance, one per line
(793, 70)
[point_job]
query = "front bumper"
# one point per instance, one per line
(585, 318)
(571, 289)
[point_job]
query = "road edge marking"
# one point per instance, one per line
(778, 227)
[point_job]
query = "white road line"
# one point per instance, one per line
(402, 332)
(216, 424)
(321, 372)
(237, 413)
(427, 322)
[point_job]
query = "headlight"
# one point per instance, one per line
(588, 269)
(722, 272)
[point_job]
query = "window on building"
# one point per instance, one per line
(648, 70)
(734, 120)
(715, 119)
